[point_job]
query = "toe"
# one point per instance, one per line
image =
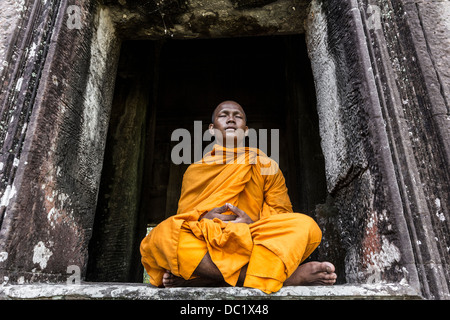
(167, 279)
(330, 277)
(328, 267)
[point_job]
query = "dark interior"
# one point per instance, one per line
(169, 84)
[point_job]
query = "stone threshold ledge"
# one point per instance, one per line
(133, 291)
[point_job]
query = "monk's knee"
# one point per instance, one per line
(308, 224)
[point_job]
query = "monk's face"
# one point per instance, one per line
(229, 124)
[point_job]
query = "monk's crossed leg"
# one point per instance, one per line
(292, 236)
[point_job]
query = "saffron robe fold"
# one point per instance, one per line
(273, 246)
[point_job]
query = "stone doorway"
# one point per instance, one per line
(382, 104)
(168, 84)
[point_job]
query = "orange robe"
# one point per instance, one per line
(273, 246)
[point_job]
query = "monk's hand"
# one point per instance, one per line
(241, 216)
(218, 213)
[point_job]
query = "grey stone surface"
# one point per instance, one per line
(198, 19)
(145, 292)
(383, 112)
(360, 175)
(59, 95)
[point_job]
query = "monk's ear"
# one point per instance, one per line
(211, 129)
(246, 131)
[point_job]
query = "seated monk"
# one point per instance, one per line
(235, 225)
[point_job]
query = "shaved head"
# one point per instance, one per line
(224, 104)
(229, 124)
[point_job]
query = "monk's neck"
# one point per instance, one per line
(231, 145)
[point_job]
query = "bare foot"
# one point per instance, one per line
(312, 273)
(171, 281)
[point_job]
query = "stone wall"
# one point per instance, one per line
(56, 93)
(359, 173)
(384, 125)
